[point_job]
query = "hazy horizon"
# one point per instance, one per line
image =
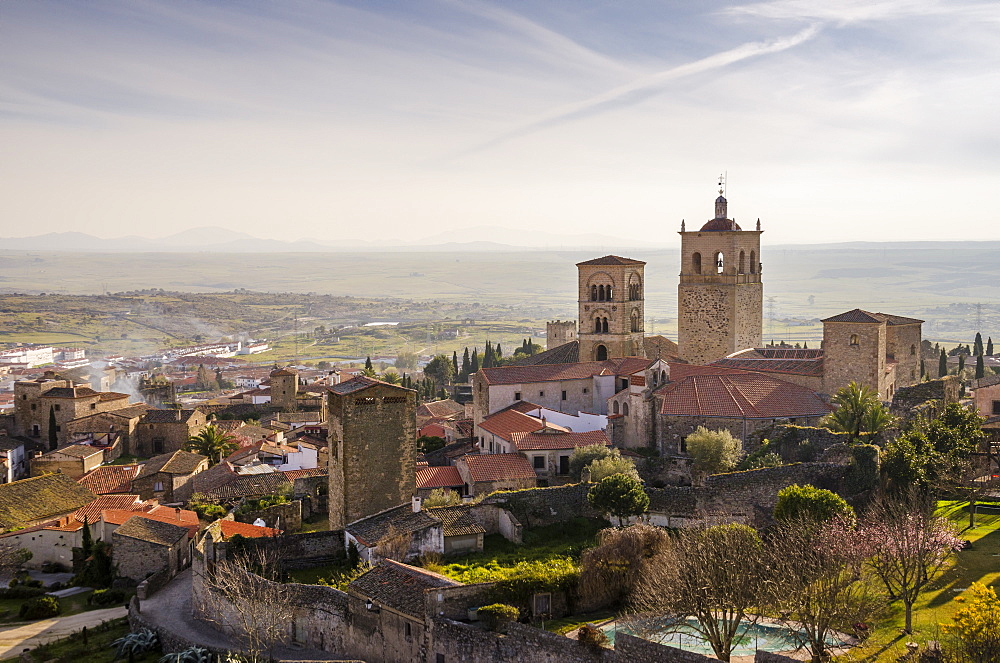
(400, 121)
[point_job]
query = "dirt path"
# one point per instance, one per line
(15, 639)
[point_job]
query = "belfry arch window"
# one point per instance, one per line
(601, 354)
(913, 349)
(743, 262)
(663, 377)
(854, 339)
(625, 409)
(617, 410)
(635, 322)
(696, 262)
(608, 293)
(600, 293)
(597, 325)
(593, 293)
(634, 291)
(753, 262)
(720, 262)
(604, 325)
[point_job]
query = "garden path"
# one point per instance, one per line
(15, 639)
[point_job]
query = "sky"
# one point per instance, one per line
(401, 121)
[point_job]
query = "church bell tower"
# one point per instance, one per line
(611, 308)
(720, 294)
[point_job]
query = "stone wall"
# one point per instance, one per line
(790, 441)
(288, 516)
(925, 397)
(636, 650)
(537, 507)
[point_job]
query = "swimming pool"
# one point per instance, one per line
(764, 636)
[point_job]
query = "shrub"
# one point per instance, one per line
(713, 451)
(496, 616)
(619, 495)
(107, 597)
(33, 583)
(613, 464)
(810, 502)
(135, 643)
(20, 592)
(976, 626)
(592, 636)
(442, 497)
(192, 654)
(40, 607)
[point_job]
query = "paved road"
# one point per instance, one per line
(170, 609)
(15, 639)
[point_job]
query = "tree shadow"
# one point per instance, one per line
(971, 566)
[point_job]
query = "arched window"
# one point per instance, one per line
(609, 293)
(616, 409)
(600, 293)
(696, 262)
(753, 262)
(635, 321)
(604, 326)
(593, 293)
(720, 261)
(743, 263)
(597, 325)
(854, 339)
(601, 354)
(913, 349)
(663, 377)
(654, 378)
(625, 409)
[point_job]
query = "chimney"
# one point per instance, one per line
(416, 503)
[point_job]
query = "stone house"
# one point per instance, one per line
(165, 431)
(124, 422)
(737, 401)
(67, 401)
(74, 461)
(486, 473)
(142, 547)
(987, 396)
(111, 519)
(548, 451)
(168, 477)
(441, 530)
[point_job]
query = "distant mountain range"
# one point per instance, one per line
(214, 239)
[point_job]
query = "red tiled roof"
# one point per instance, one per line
(445, 409)
(857, 315)
(497, 467)
(506, 424)
(611, 260)
(162, 514)
(739, 395)
(292, 475)
(438, 477)
(110, 479)
(537, 441)
(554, 372)
(230, 528)
(810, 367)
(92, 512)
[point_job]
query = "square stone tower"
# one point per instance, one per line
(372, 447)
(559, 332)
(720, 294)
(284, 388)
(612, 308)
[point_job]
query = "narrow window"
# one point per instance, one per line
(564, 395)
(854, 339)
(663, 377)
(600, 293)
(913, 349)
(597, 325)
(720, 263)
(625, 409)
(617, 410)
(407, 629)
(696, 262)
(593, 293)
(604, 326)
(996, 407)
(517, 395)
(541, 394)
(753, 262)
(743, 263)
(610, 294)
(602, 354)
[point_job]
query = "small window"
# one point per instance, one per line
(57, 407)
(854, 339)
(538, 462)
(33, 405)
(24, 397)
(696, 263)
(564, 395)
(996, 407)
(517, 395)
(585, 390)
(541, 393)
(439, 658)
(93, 406)
(625, 409)
(407, 630)
(158, 487)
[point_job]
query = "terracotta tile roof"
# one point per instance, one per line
(505, 423)
(92, 512)
(892, 320)
(284, 372)
(214, 477)
(540, 441)
(41, 497)
(163, 514)
(166, 416)
(399, 586)
(76, 451)
(361, 382)
(445, 409)
(176, 462)
(110, 479)
(739, 395)
(152, 531)
(779, 353)
(111, 395)
(250, 485)
(498, 467)
(679, 371)
(611, 260)
(438, 477)
(369, 531)
(567, 353)
(457, 520)
(858, 315)
(230, 528)
(70, 392)
(552, 372)
(292, 475)
(809, 367)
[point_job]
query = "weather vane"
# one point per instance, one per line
(722, 183)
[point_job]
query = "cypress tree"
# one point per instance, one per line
(961, 363)
(923, 369)
(368, 364)
(531, 346)
(466, 365)
(980, 366)
(474, 365)
(497, 353)
(942, 364)
(805, 345)
(88, 541)
(978, 344)
(442, 394)
(989, 346)
(53, 434)
(488, 355)
(454, 362)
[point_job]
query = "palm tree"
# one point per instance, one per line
(369, 372)
(859, 413)
(212, 442)
(392, 377)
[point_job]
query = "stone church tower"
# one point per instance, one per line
(720, 295)
(611, 308)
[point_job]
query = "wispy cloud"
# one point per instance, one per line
(651, 85)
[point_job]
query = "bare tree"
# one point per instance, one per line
(819, 574)
(243, 597)
(908, 547)
(610, 570)
(715, 577)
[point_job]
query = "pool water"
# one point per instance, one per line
(766, 637)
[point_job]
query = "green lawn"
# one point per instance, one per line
(980, 562)
(71, 605)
